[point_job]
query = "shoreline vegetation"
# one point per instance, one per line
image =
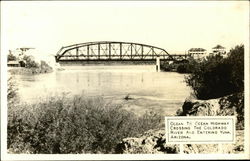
(73, 124)
(78, 124)
(27, 65)
(24, 71)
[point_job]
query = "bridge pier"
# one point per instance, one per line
(158, 62)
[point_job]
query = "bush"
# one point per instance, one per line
(217, 76)
(73, 125)
(30, 62)
(168, 67)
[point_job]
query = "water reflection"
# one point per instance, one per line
(159, 91)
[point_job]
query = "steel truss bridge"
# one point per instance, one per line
(114, 51)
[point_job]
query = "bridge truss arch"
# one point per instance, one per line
(111, 50)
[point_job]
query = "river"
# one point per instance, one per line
(163, 92)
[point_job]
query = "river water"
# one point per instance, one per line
(162, 92)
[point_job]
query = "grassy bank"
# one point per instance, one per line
(73, 124)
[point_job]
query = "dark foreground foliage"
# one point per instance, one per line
(216, 76)
(73, 125)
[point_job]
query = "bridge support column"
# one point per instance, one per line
(158, 62)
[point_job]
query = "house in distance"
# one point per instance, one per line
(200, 53)
(197, 53)
(218, 49)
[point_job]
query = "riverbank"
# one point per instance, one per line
(25, 71)
(79, 124)
(154, 141)
(184, 66)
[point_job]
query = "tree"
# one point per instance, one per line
(236, 60)
(30, 62)
(217, 76)
(11, 57)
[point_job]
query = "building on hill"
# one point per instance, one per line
(197, 53)
(218, 49)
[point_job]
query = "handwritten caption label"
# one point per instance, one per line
(200, 129)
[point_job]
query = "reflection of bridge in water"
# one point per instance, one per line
(109, 51)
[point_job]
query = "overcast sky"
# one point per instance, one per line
(174, 26)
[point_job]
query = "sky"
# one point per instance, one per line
(174, 26)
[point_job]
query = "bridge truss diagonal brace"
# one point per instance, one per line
(107, 50)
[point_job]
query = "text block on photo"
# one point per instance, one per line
(200, 129)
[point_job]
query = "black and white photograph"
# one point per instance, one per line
(163, 79)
